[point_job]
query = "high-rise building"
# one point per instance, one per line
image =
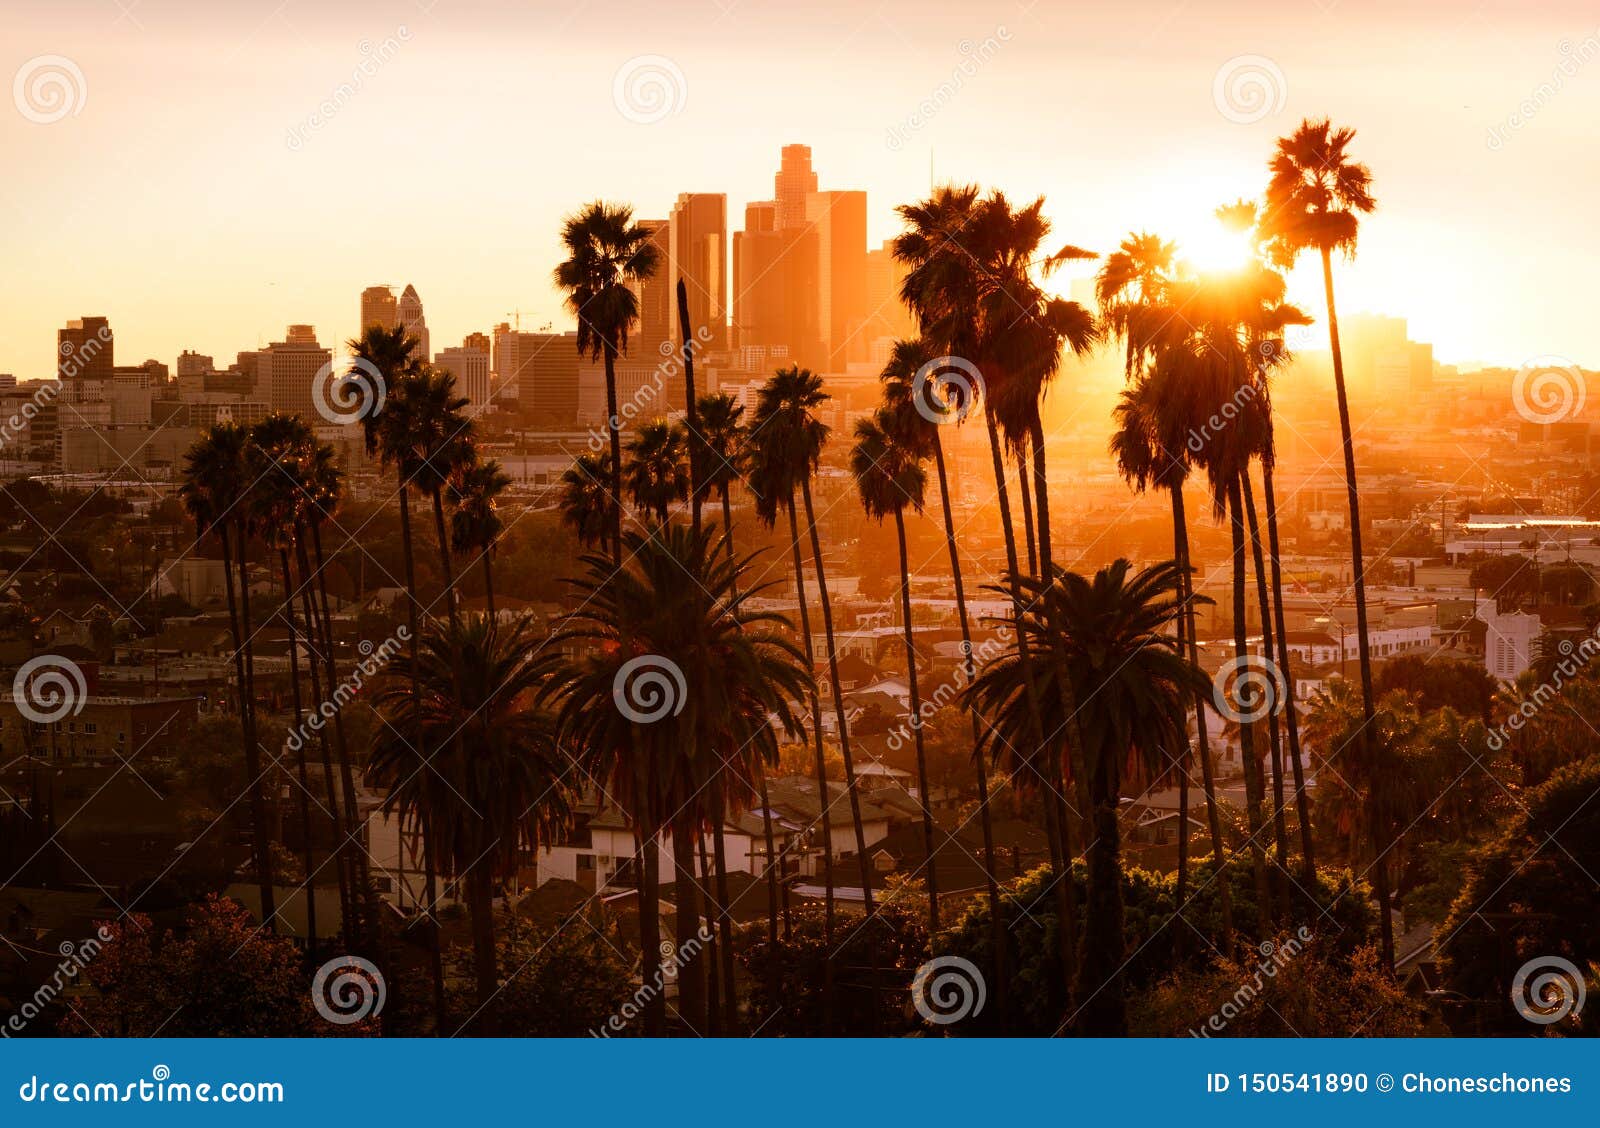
(699, 255)
(378, 307)
(85, 350)
(887, 316)
(775, 286)
(541, 371)
(408, 315)
(288, 369)
(840, 222)
(658, 303)
(469, 364)
(792, 183)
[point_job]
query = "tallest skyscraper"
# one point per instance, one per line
(795, 180)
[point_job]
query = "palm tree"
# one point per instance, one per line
(675, 619)
(789, 437)
(1133, 682)
(886, 463)
(608, 255)
(899, 377)
(719, 436)
(214, 483)
(491, 798)
(656, 473)
(1315, 197)
(586, 503)
(475, 524)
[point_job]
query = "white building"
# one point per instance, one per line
(1510, 643)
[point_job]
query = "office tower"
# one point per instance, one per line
(658, 308)
(840, 222)
(287, 369)
(546, 376)
(888, 318)
(792, 183)
(470, 366)
(84, 350)
(192, 364)
(479, 341)
(503, 362)
(775, 288)
(408, 314)
(378, 307)
(699, 253)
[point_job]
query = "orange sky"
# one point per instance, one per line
(190, 200)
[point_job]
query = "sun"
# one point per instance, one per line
(1213, 248)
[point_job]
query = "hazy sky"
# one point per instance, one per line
(190, 201)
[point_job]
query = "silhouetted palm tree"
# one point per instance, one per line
(1133, 682)
(492, 797)
(215, 481)
(586, 503)
(886, 463)
(656, 473)
(1315, 196)
(475, 524)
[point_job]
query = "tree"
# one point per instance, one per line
(886, 463)
(586, 504)
(214, 482)
(496, 785)
(475, 524)
(1133, 684)
(1315, 196)
(656, 473)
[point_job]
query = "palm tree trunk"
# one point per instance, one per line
(686, 893)
(480, 894)
(1181, 757)
(444, 560)
(258, 812)
(1269, 652)
(413, 611)
(1380, 833)
(824, 798)
(1302, 800)
(997, 930)
(713, 1012)
(614, 426)
(1056, 832)
(926, 797)
(306, 886)
(1101, 1009)
(721, 903)
(690, 408)
(838, 698)
(317, 641)
(488, 582)
(252, 745)
(1252, 767)
(1025, 492)
(1180, 524)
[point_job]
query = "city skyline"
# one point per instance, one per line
(131, 232)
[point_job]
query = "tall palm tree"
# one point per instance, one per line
(586, 503)
(656, 473)
(215, 482)
(475, 524)
(1133, 682)
(789, 436)
(900, 391)
(1315, 197)
(487, 800)
(608, 256)
(675, 619)
(887, 464)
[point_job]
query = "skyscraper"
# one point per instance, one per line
(791, 185)
(887, 316)
(658, 303)
(378, 307)
(408, 315)
(287, 369)
(84, 351)
(840, 222)
(469, 364)
(775, 286)
(698, 255)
